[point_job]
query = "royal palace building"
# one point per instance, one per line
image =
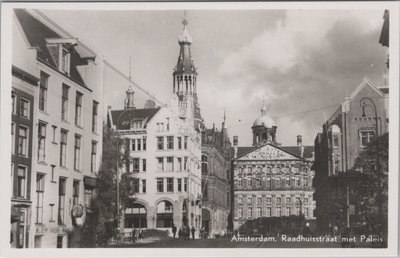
(270, 180)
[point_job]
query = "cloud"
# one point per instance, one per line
(308, 59)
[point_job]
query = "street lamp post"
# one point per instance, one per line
(364, 103)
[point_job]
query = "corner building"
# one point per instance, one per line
(271, 180)
(65, 134)
(165, 151)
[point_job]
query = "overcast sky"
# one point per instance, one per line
(297, 60)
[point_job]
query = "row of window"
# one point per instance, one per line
(270, 169)
(167, 143)
(268, 212)
(256, 182)
(168, 164)
(138, 144)
(166, 185)
(43, 90)
(40, 188)
(289, 199)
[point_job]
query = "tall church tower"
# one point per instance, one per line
(185, 78)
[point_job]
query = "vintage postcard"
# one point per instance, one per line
(199, 129)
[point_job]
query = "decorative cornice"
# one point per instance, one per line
(25, 76)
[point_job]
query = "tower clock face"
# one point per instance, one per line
(182, 112)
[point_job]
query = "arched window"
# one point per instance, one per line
(165, 212)
(204, 164)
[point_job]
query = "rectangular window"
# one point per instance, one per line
(135, 164)
(170, 163)
(240, 199)
(61, 200)
(78, 109)
(63, 148)
(143, 185)
(259, 212)
(43, 91)
(168, 124)
(139, 144)
(185, 160)
(133, 144)
(12, 138)
(135, 185)
(366, 137)
(64, 102)
(94, 116)
(249, 212)
(144, 144)
(60, 241)
(170, 142)
(185, 185)
(179, 143)
(249, 199)
(77, 152)
(144, 165)
(305, 200)
(179, 164)
(24, 108)
(268, 199)
(21, 182)
(75, 192)
(287, 199)
(278, 200)
(93, 157)
(185, 143)
(51, 212)
(23, 141)
(240, 213)
(42, 142)
(160, 143)
(306, 212)
(259, 200)
(204, 188)
(278, 212)
(52, 172)
(39, 197)
(268, 212)
(288, 211)
(170, 185)
(65, 61)
(54, 133)
(160, 185)
(179, 185)
(13, 103)
(160, 164)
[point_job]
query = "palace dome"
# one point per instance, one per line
(265, 121)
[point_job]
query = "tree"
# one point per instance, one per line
(103, 226)
(374, 195)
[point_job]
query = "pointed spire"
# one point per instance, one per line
(264, 109)
(185, 36)
(129, 100)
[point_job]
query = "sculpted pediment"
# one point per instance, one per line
(268, 152)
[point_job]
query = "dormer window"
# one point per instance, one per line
(65, 61)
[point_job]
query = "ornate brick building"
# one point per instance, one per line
(216, 180)
(271, 180)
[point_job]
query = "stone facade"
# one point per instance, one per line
(271, 180)
(165, 151)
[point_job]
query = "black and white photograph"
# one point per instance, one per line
(199, 129)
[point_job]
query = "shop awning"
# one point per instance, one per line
(90, 181)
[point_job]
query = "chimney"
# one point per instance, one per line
(299, 140)
(235, 140)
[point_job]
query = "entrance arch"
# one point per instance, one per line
(135, 216)
(165, 214)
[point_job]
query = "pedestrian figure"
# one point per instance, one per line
(180, 233)
(174, 230)
(140, 235)
(193, 230)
